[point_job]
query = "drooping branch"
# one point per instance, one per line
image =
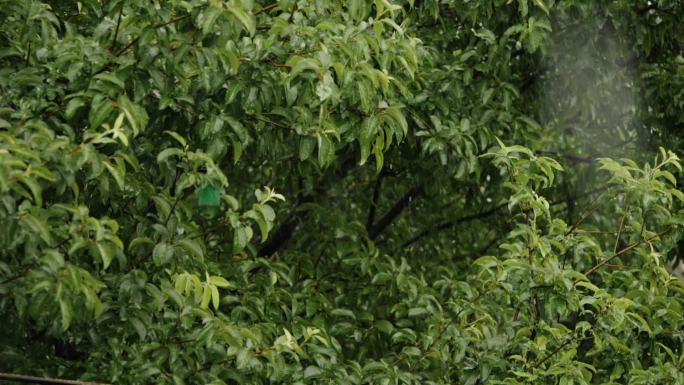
(393, 212)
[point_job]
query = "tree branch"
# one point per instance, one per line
(585, 213)
(118, 25)
(553, 353)
(14, 278)
(280, 237)
(484, 214)
(267, 8)
(287, 230)
(392, 213)
(160, 25)
(626, 249)
(43, 380)
(374, 202)
(450, 224)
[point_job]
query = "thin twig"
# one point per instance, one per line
(553, 353)
(14, 278)
(118, 24)
(626, 249)
(586, 213)
(160, 25)
(619, 233)
(267, 8)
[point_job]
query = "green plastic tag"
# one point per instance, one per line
(208, 199)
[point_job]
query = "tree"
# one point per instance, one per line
(341, 192)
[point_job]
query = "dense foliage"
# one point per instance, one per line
(341, 192)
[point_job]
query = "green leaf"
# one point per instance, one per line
(107, 253)
(267, 212)
(396, 116)
(177, 137)
(206, 297)
(139, 327)
(343, 313)
(100, 109)
(77, 245)
(325, 149)
(162, 253)
(232, 55)
(542, 5)
(306, 147)
(263, 227)
(210, 15)
(117, 172)
(36, 189)
(241, 237)
(411, 351)
(181, 283)
(368, 133)
(486, 262)
(66, 312)
(136, 116)
(640, 322)
(214, 297)
(111, 78)
(300, 65)
(417, 311)
(384, 326)
(73, 106)
(246, 20)
(38, 227)
(312, 372)
(193, 247)
(164, 154)
(219, 281)
(174, 296)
